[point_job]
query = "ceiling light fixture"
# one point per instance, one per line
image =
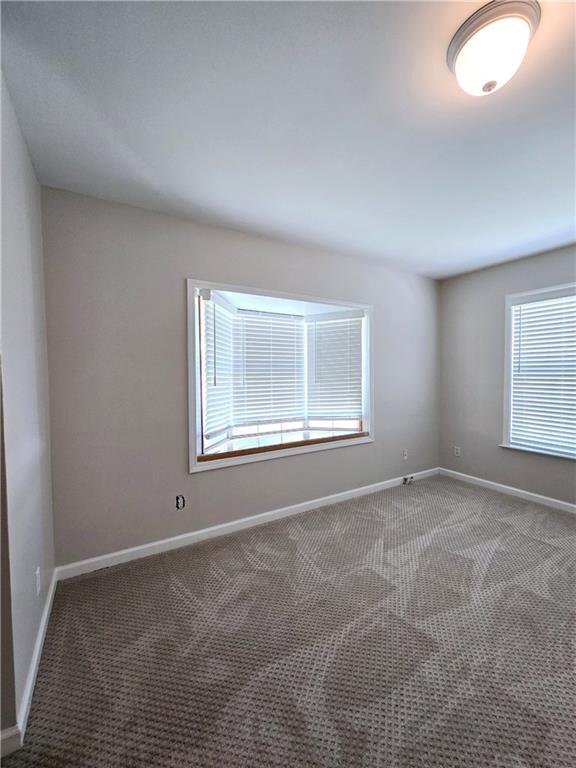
(489, 47)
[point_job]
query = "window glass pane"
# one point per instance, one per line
(217, 330)
(268, 368)
(543, 376)
(335, 369)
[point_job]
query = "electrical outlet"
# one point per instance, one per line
(457, 451)
(38, 581)
(180, 502)
(405, 454)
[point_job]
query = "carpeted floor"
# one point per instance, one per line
(428, 626)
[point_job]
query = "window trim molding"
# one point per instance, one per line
(195, 388)
(511, 299)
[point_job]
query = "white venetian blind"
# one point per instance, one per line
(543, 375)
(269, 384)
(335, 368)
(217, 338)
(271, 377)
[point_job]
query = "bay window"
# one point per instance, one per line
(272, 374)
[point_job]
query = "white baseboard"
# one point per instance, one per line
(24, 709)
(175, 542)
(547, 501)
(10, 740)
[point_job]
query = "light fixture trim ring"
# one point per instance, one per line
(497, 9)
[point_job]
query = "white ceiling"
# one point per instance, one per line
(331, 123)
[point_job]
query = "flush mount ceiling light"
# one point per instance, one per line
(489, 47)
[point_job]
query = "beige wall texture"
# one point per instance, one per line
(472, 325)
(25, 394)
(8, 692)
(116, 297)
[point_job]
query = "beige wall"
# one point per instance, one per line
(8, 692)
(472, 374)
(25, 394)
(115, 281)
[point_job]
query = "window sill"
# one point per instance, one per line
(537, 451)
(219, 461)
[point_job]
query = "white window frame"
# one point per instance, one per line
(194, 374)
(526, 297)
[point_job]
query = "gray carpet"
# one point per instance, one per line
(427, 626)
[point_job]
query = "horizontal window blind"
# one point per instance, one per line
(217, 339)
(335, 369)
(543, 376)
(264, 373)
(269, 383)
